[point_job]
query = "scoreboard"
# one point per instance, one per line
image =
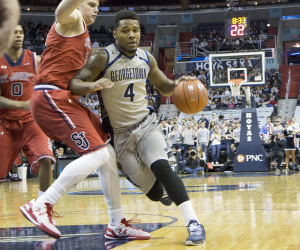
(237, 25)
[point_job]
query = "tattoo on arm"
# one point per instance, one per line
(93, 67)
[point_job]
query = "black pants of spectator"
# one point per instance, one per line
(275, 154)
(226, 165)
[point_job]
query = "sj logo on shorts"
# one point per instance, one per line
(80, 140)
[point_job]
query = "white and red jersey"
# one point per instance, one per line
(16, 82)
(63, 57)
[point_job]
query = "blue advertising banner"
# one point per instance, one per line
(186, 18)
(152, 19)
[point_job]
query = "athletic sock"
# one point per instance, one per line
(40, 193)
(73, 173)
(115, 216)
(187, 211)
(108, 175)
(14, 175)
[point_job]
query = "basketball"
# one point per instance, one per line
(190, 96)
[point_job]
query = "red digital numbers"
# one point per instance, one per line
(237, 30)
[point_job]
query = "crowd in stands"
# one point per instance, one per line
(36, 34)
(215, 141)
(221, 98)
(211, 36)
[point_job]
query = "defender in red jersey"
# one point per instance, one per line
(18, 131)
(63, 118)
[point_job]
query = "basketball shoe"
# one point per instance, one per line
(196, 234)
(166, 200)
(125, 231)
(40, 214)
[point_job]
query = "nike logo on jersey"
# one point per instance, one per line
(3, 67)
(26, 63)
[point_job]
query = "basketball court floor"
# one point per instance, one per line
(239, 211)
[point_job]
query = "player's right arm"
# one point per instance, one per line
(82, 83)
(6, 103)
(66, 12)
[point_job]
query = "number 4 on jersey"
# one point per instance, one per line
(129, 92)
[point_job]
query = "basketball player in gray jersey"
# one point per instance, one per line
(138, 141)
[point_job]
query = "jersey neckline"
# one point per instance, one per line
(17, 63)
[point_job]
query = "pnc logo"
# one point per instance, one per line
(240, 158)
(243, 158)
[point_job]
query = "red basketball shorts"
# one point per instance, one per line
(17, 135)
(63, 118)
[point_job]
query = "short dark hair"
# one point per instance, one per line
(191, 148)
(125, 14)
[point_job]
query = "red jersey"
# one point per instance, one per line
(15, 84)
(63, 57)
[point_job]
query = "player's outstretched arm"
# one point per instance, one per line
(164, 85)
(65, 12)
(6, 103)
(9, 18)
(82, 83)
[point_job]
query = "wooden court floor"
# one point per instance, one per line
(240, 211)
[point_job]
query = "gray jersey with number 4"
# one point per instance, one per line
(125, 103)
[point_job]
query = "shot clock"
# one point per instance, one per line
(237, 25)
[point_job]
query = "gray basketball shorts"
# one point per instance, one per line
(137, 147)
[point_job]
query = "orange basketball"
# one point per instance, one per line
(190, 96)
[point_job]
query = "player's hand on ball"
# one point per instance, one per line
(26, 105)
(182, 78)
(103, 83)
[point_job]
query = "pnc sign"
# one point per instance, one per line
(247, 158)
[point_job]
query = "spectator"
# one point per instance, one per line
(269, 73)
(203, 44)
(188, 136)
(196, 72)
(27, 42)
(102, 30)
(178, 75)
(213, 106)
(215, 145)
(203, 119)
(262, 36)
(203, 137)
(280, 120)
(231, 120)
(229, 140)
(200, 153)
(296, 127)
(93, 30)
(175, 137)
(272, 103)
(193, 162)
(193, 41)
(213, 117)
(277, 146)
(102, 43)
(95, 44)
(262, 27)
(219, 121)
(212, 126)
(229, 161)
(278, 75)
(236, 134)
(290, 148)
(278, 127)
(275, 92)
(267, 130)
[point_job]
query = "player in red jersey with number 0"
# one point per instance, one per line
(18, 131)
